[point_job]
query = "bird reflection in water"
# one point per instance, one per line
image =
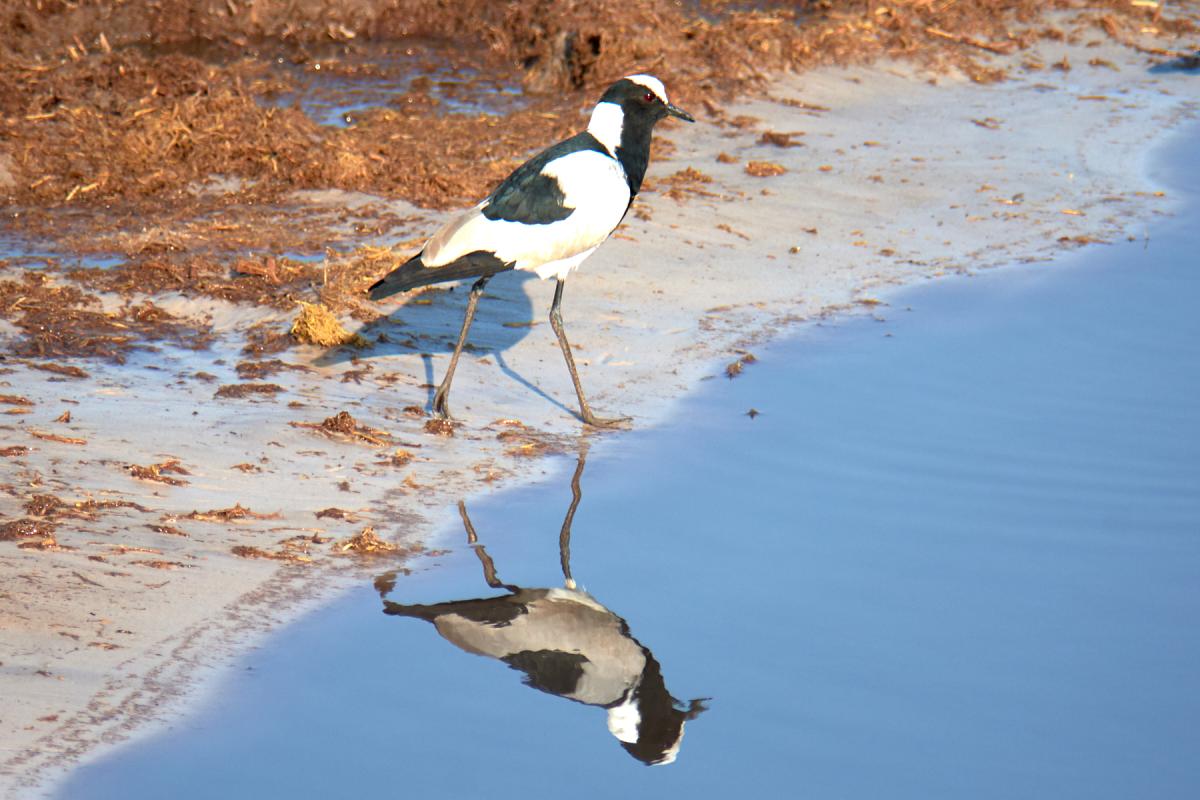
(567, 644)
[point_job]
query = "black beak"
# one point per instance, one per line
(676, 111)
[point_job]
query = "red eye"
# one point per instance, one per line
(648, 97)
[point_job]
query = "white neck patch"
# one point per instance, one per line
(650, 82)
(606, 123)
(623, 720)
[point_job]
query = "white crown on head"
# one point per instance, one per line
(650, 82)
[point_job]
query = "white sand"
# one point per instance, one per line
(91, 650)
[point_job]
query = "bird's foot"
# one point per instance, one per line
(602, 422)
(440, 409)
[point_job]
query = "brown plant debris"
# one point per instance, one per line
(237, 512)
(91, 119)
(764, 169)
(14, 451)
(733, 369)
(62, 321)
(59, 369)
(256, 370)
(47, 543)
(155, 472)
(526, 442)
(246, 551)
(780, 139)
(158, 563)
(123, 549)
(344, 426)
(26, 529)
(399, 458)
(365, 542)
(1001, 47)
(439, 426)
(265, 339)
(52, 507)
(45, 505)
(725, 226)
(684, 183)
(15, 400)
(317, 325)
(54, 437)
(239, 390)
(335, 513)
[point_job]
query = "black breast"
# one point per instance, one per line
(551, 671)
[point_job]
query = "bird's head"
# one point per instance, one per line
(624, 119)
(643, 98)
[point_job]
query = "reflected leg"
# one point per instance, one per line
(564, 536)
(489, 566)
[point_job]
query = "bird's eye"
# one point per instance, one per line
(648, 97)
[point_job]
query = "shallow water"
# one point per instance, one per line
(331, 87)
(957, 554)
(335, 82)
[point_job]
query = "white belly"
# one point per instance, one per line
(592, 184)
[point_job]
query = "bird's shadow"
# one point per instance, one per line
(429, 324)
(564, 642)
(1185, 64)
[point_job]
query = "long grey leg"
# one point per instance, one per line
(585, 411)
(443, 391)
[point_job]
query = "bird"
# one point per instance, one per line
(566, 644)
(547, 217)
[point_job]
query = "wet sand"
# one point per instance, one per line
(896, 177)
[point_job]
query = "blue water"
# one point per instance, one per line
(957, 554)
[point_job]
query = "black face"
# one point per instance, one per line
(639, 102)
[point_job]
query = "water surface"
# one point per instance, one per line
(957, 554)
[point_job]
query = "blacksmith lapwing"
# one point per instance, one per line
(548, 215)
(566, 644)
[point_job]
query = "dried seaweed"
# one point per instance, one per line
(365, 542)
(344, 426)
(246, 551)
(109, 121)
(237, 512)
(439, 426)
(55, 437)
(764, 169)
(735, 368)
(26, 529)
(240, 390)
(155, 472)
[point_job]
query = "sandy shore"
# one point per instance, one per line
(894, 176)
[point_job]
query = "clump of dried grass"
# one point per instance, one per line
(317, 325)
(365, 542)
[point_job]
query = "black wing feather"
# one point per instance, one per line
(531, 197)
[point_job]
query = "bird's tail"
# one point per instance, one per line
(413, 273)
